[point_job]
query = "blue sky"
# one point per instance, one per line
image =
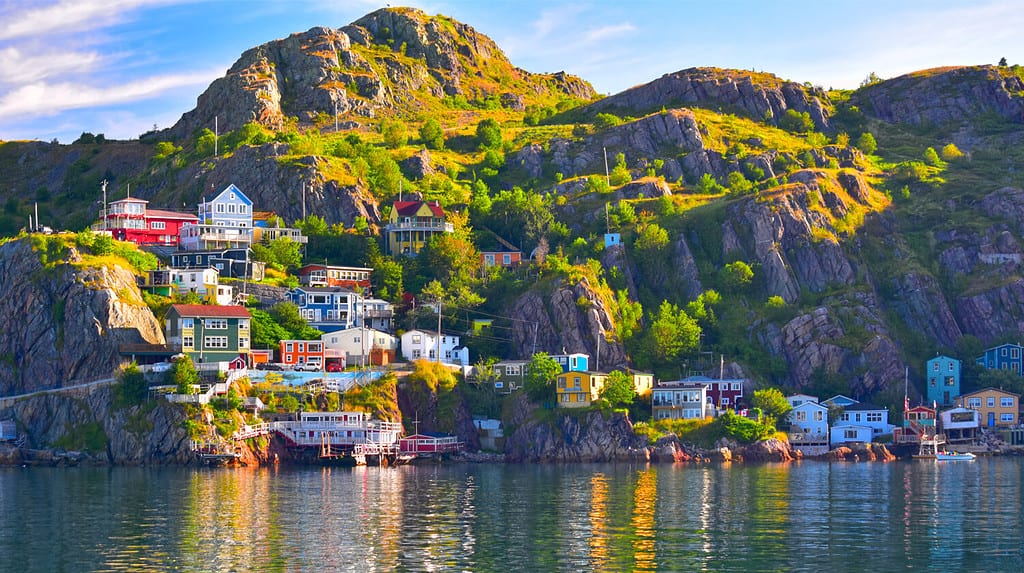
(119, 67)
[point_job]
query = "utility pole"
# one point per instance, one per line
(438, 330)
(303, 199)
(607, 176)
(103, 184)
(216, 135)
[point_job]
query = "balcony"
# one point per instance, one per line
(421, 226)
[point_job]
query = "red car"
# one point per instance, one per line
(334, 367)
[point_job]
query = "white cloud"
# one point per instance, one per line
(19, 67)
(41, 98)
(606, 32)
(77, 14)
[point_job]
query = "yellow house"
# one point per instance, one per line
(997, 407)
(412, 224)
(579, 389)
(642, 383)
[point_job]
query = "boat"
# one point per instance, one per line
(953, 456)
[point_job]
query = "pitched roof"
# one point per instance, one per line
(409, 208)
(862, 406)
(205, 310)
(171, 214)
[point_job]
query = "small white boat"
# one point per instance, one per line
(954, 456)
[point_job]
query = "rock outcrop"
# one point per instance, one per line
(943, 96)
(759, 96)
(62, 323)
(590, 436)
(566, 318)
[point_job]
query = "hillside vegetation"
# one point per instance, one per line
(820, 241)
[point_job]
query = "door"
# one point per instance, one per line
(991, 419)
(945, 397)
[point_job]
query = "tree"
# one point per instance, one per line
(737, 275)
(866, 143)
(672, 332)
(707, 185)
(606, 120)
(1002, 62)
(394, 134)
(132, 387)
(620, 175)
(185, 375)
(739, 184)
(931, 157)
(951, 152)
(432, 134)
(488, 134)
(796, 121)
(618, 389)
(871, 80)
(771, 402)
(540, 377)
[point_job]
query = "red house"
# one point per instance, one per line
(504, 259)
(304, 352)
(429, 443)
(128, 219)
(722, 393)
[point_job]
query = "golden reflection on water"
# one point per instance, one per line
(645, 499)
(598, 519)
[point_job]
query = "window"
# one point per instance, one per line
(215, 342)
(416, 353)
(1002, 351)
(873, 416)
(819, 416)
(289, 347)
(935, 366)
(801, 416)
(506, 259)
(417, 339)
(1006, 402)
(513, 370)
(187, 342)
(243, 324)
(931, 381)
(1015, 353)
(974, 402)
(231, 208)
(990, 402)
(243, 342)
(565, 397)
(186, 323)
(951, 367)
(220, 207)
(157, 225)
(725, 402)
(215, 324)
(1006, 418)
(950, 381)
(243, 209)
(576, 381)
(736, 386)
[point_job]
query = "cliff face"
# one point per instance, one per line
(87, 422)
(63, 325)
(555, 321)
(572, 437)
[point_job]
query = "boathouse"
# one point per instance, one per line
(430, 443)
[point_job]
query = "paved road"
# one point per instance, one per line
(101, 382)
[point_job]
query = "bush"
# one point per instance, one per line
(866, 143)
(606, 120)
(796, 121)
(951, 152)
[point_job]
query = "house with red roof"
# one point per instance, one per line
(412, 224)
(209, 333)
(130, 219)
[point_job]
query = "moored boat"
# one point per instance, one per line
(954, 456)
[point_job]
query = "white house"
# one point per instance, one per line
(797, 399)
(417, 344)
(375, 313)
(205, 283)
(960, 424)
(808, 430)
(863, 414)
(843, 434)
(680, 399)
(357, 345)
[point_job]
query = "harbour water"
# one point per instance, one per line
(808, 516)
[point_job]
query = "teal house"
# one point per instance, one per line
(208, 333)
(943, 380)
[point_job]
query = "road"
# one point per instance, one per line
(5, 400)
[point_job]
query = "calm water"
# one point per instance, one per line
(872, 517)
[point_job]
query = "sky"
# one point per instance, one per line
(123, 67)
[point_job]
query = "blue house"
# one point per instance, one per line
(943, 380)
(327, 309)
(612, 239)
(1002, 357)
(573, 362)
(224, 222)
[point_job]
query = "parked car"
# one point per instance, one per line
(334, 367)
(308, 367)
(269, 366)
(161, 367)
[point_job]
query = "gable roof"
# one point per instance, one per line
(205, 311)
(864, 407)
(990, 389)
(232, 189)
(410, 208)
(151, 213)
(811, 405)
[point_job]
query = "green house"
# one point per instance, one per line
(209, 333)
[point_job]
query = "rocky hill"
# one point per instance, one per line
(62, 322)
(867, 253)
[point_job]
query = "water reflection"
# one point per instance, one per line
(800, 517)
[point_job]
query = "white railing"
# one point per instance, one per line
(246, 432)
(425, 225)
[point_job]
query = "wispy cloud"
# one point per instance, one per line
(35, 20)
(20, 67)
(41, 98)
